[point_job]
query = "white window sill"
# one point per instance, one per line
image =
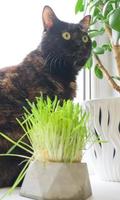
(101, 191)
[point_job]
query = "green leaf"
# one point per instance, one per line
(99, 50)
(94, 3)
(98, 72)
(94, 44)
(79, 7)
(89, 63)
(95, 33)
(15, 143)
(114, 20)
(95, 11)
(107, 7)
(107, 47)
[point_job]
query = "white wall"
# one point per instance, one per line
(21, 25)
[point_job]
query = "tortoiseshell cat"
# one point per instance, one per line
(50, 69)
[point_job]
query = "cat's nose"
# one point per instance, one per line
(78, 43)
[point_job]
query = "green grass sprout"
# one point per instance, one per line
(56, 133)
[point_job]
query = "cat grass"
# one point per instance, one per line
(56, 133)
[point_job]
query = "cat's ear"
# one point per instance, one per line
(48, 17)
(85, 22)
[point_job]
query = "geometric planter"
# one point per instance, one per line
(105, 125)
(56, 181)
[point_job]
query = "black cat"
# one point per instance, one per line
(50, 69)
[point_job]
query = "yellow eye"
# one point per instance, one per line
(66, 35)
(85, 38)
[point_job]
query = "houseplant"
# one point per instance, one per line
(106, 13)
(57, 135)
(105, 122)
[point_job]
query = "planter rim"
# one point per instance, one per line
(59, 163)
(102, 99)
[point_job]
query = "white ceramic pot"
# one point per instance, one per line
(105, 124)
(56, 181)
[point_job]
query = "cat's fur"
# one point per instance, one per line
(50, 69)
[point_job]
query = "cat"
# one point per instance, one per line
(51, 69)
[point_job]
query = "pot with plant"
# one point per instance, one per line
(105, 112)
(58, 135)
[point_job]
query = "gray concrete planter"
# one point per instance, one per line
(56, 181)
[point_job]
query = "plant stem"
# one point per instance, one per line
(111, 82)
(109, 32)
(115, 48)
(116, 51)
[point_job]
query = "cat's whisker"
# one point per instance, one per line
(64, 63)
(55, 63)
(60, 66)
(51, 65)
(48, 59)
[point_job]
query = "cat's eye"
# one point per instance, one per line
(66, 35)
(85, 38)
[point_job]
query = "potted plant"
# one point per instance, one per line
(106, 13)
(105, 121)
(57, 135)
